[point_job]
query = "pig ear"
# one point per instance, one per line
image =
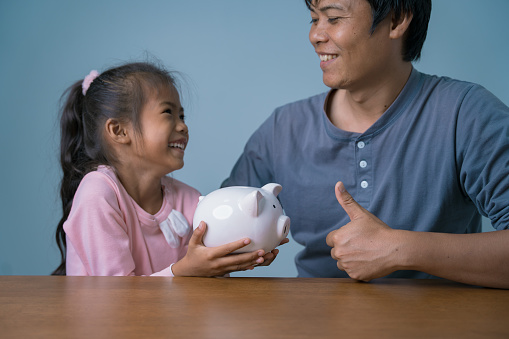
(249, 204)
(273, 188)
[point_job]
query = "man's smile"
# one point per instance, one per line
(327, 57)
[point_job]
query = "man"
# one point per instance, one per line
(423, 157)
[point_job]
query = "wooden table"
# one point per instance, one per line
(159, 307)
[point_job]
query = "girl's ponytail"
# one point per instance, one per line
(73, 159)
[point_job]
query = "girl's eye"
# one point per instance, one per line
(168, 111)
(313, 21)
(182, 117)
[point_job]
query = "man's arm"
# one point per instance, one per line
(478, 259)
(366, 248)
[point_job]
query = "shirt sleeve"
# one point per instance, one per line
(97, 231)
(254, 166)
(483, 154)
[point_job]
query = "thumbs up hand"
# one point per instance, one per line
(365, 248)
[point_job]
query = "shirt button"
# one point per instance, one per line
(364, 184)
(363, 164)
(361, 144)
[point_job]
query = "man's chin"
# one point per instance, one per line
(332, 83)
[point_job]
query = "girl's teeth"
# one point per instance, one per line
(327, 57)
(181, 146)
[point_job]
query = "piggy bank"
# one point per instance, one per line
(237, 212)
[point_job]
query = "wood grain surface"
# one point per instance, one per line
(159, 307)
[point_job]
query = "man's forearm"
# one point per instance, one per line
(478, 259)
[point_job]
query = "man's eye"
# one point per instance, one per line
(182, 117)
(333, 20)
(168, 111)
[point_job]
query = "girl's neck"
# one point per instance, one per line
(145, 189)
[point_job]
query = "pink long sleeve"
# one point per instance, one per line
(109, 234)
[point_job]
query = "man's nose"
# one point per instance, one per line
(318, 34)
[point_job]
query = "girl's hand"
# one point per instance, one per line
(215, 261)
(268, 258)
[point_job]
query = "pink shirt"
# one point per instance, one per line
(109, 234)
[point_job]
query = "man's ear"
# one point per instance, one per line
(400, 26)
(117, 131)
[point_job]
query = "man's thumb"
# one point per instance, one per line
(351, 207)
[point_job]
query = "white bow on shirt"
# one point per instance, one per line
(174, 228)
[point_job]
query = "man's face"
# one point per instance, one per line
(350, 56)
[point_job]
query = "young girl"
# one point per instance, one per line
(122, 131)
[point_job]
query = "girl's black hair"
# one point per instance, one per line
(118, 93)
(418, 29)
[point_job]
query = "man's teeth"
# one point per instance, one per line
(177, 145)
(327, 57)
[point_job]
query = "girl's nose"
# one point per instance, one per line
(182, 127)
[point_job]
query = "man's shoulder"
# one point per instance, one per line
(445, 85)
(308, 106)
(450, 91)
(316, 100)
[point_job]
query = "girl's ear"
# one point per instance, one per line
(117, 131)
(400, 26)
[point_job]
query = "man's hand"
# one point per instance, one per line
(365, 248)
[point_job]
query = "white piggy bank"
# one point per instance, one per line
(237, 212)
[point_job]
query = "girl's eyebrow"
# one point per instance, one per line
(169, 103)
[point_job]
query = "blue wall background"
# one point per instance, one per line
(242, 59)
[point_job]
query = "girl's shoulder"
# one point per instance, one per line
(99, 183)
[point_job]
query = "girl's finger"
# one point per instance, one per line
(284, 241)
(270, 257)
(226, 249)
(241, 267)
(197, 237)
(242, 260)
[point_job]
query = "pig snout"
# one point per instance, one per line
(283, 226)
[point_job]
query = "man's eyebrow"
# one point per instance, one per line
(332, 6)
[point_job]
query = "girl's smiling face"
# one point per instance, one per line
(164, 134)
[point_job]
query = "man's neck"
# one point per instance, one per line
(356, 110)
